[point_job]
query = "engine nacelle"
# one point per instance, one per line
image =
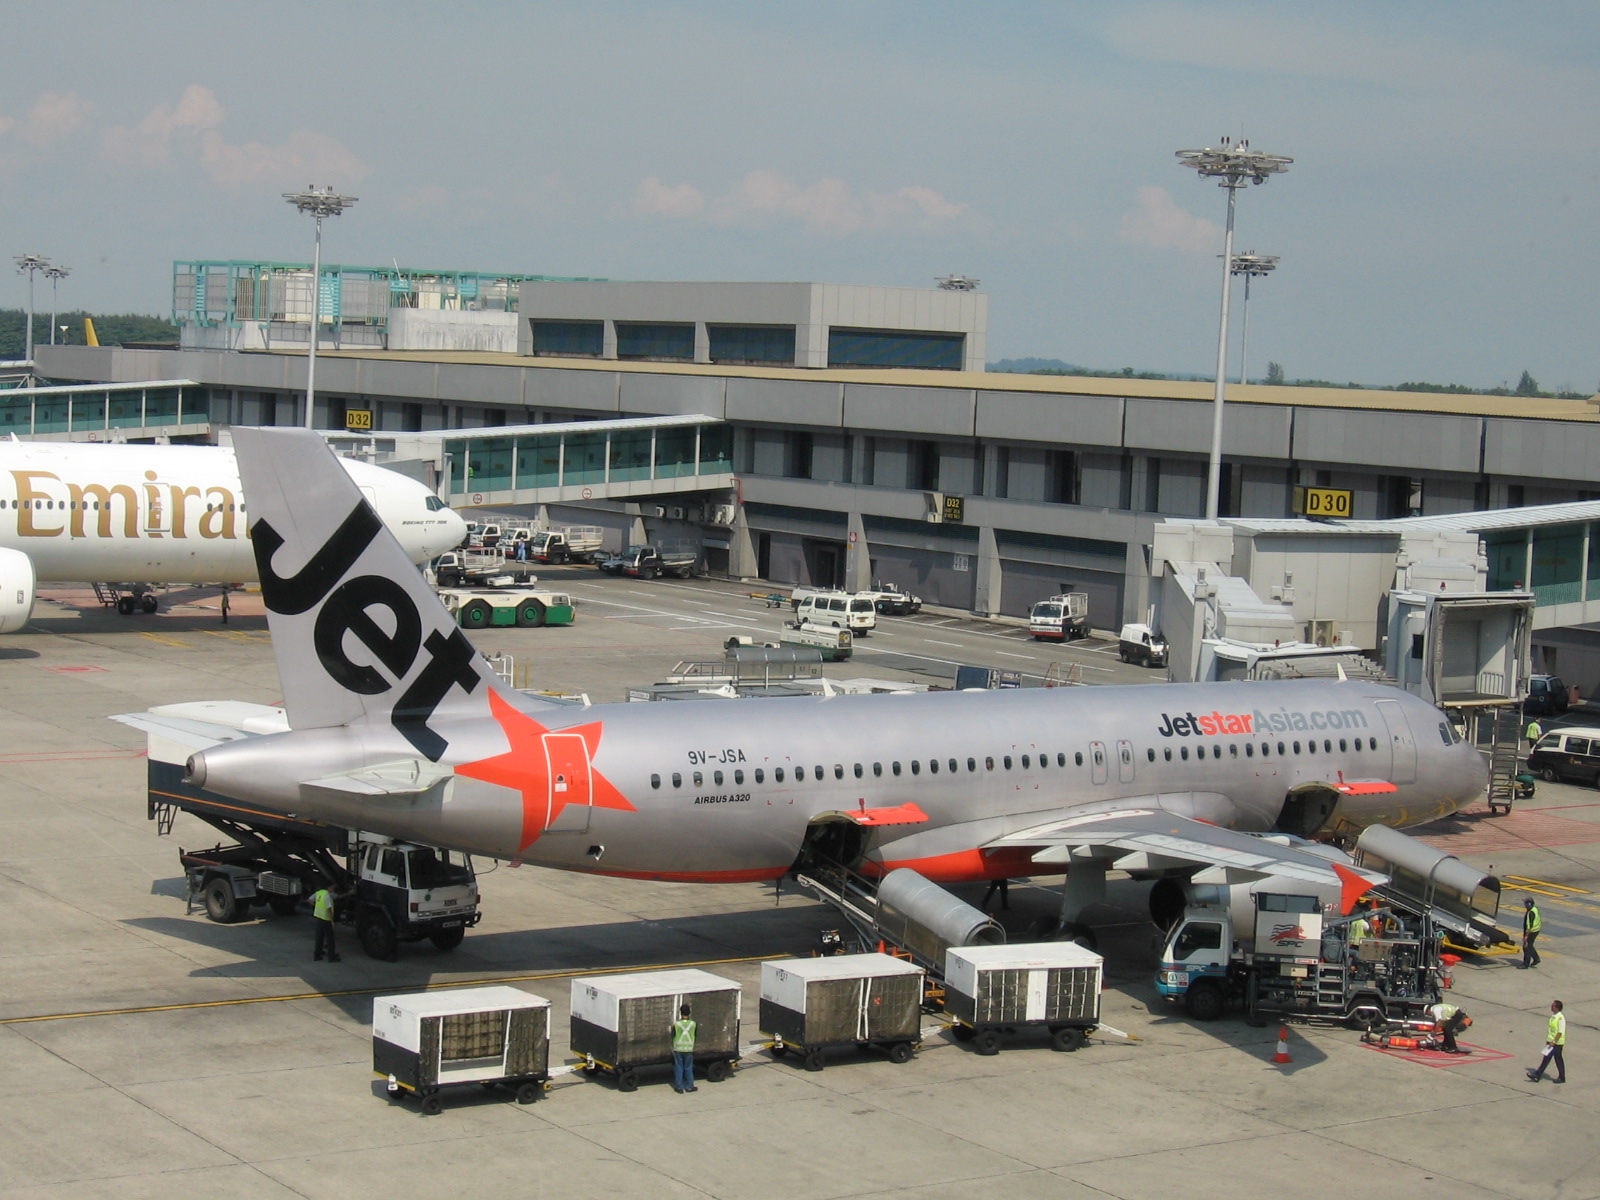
(16, 590)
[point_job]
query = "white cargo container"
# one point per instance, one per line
(485, 1035)
(623, 1022)
(995, 990)
(811, 1004)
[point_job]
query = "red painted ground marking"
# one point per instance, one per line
(70, 755)
(1438, 1058)
(74, 670)
(1521, 829)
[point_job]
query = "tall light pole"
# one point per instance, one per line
(1252, 266)
(1230, 164)
(324, 203)
(55, 274)
(30, 265)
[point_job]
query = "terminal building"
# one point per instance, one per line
(825, 434)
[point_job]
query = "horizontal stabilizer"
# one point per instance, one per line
(183, 731)
(1165, 835)
(403, 779)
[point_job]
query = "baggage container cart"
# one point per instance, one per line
(622, 1024)
(812, 1005)
(492, 1036)
(996, 991)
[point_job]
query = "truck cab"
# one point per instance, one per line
(1060, 618)
(405, 893)
(1196, 960)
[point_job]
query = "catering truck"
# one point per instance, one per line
(1060, 618)
(1284, 947)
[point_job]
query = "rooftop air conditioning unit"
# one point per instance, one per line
(722, 514)
(653, 510)
(1322, 633)
(675, 513)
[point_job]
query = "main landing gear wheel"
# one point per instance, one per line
(147, 604)
(126, 605)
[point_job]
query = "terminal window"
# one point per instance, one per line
(650, 341)
(895, 348)
(568, 338)
(771, 345)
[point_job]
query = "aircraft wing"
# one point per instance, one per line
(1142, 838)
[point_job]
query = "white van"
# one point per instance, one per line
(841, 610)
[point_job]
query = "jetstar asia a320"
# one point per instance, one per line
(396, 725)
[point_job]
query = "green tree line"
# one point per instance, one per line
(112, 329)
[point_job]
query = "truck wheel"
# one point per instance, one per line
(1548, 774)
(284, 906)
(527, 1093)
(221, 904)
(1067, 1038)
(987, 1041)
(377, 934)
(530, 613)
(900, 1052)
(717, 1070)
(651, 572)
(1204, 1001)
(447, 939)
(476, 614)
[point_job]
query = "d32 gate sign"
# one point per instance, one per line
(1324, 503)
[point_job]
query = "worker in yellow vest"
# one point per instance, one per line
(1360, 931)
(1451, 1020)
(1555, 1043)
(1532, 923)
(322, 902)
(683, 1035)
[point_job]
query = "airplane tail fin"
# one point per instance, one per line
(359, 636)
(90, 337)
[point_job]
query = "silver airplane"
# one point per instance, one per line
(396, 725)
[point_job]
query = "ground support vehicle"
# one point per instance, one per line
(892, 602)
(622, 1024)
(993, 992)
(571, 543)
(502, 607)
(1141, 645)
(862, 1001)
(1060, 618)
(1569, 755)
(492, 1036)
(1547, 696)
(652, 560)
(391, 891)
(835, 644)
(844, 610)
(479, 568)
(1285, 948)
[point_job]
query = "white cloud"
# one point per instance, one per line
(1159, 224)
(827, 207)
(192, 128)
(652, 198)
(149, 143)
(53, 117)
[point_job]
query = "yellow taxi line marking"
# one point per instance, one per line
(162, 638)
(1545, 883)
(368, 991)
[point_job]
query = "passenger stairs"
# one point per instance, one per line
(1499, 737)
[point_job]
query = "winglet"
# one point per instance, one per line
(1352, 886)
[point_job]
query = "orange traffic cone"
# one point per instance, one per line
(1282, 1056)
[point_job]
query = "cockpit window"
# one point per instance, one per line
(435, 504)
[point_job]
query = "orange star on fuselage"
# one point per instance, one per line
(525, 768)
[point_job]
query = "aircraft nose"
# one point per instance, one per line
(451, 532)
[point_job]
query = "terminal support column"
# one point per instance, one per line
(741, 548)
(988, 578)
(858, 556)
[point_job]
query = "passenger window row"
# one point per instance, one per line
(1026, 762)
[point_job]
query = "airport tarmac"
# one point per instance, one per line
(150, 1053)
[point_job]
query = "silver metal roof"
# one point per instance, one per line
(1537, 515)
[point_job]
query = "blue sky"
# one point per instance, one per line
(1439, 221)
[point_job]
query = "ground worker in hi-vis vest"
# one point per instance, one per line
(683, 1032)
(322, 901)
(1532, 923)
(1555, 1045)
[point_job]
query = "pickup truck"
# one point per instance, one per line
(575, 543)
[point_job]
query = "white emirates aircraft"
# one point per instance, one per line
(94, 512)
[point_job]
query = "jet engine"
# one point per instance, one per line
(16, 590)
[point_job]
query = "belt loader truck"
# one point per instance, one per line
(390, 891)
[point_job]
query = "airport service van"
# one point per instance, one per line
(1567, 756)
(1060, 618)
(842, 610)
